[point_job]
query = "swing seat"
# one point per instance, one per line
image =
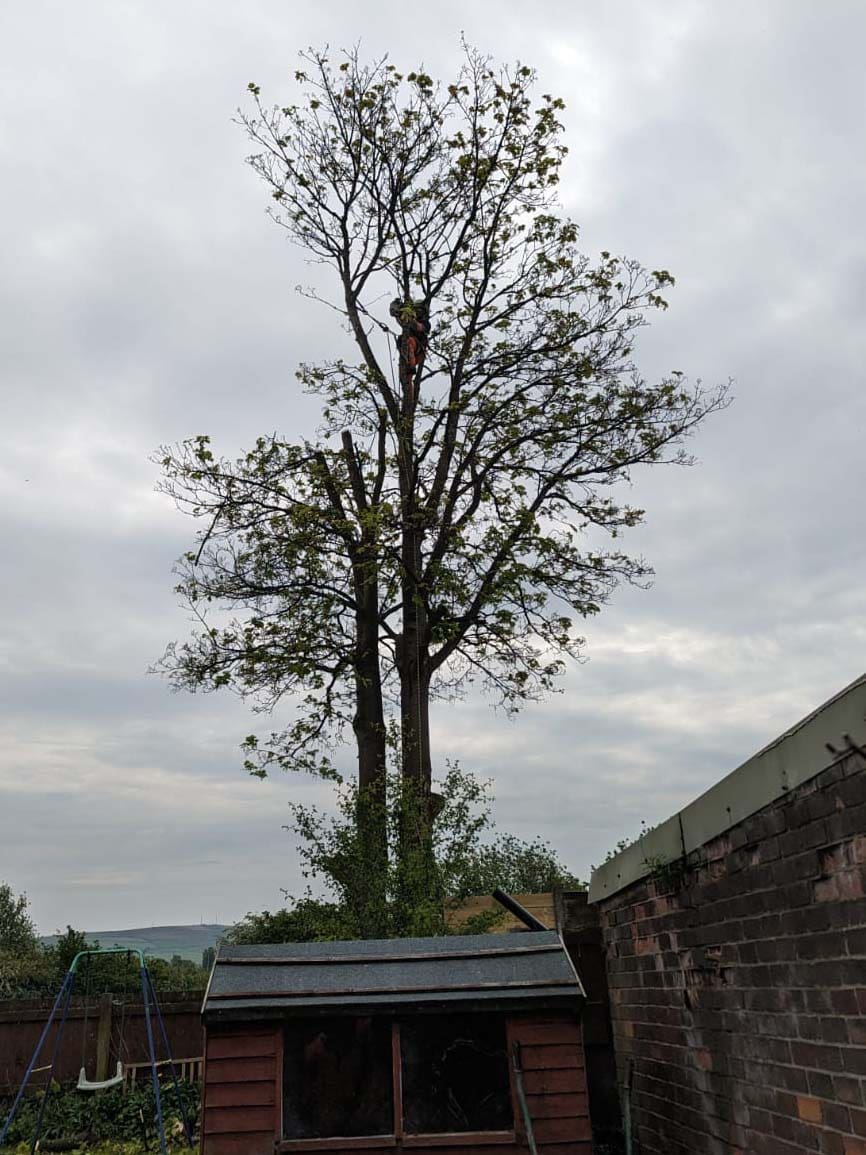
(85, 1085)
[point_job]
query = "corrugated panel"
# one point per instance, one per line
(299, 977)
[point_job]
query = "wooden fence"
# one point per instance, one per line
(97, 1034)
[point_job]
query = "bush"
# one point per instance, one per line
(470, 857)
(111, 1115)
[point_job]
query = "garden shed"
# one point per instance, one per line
(464, 1043)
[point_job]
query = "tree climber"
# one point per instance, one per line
(413, 317)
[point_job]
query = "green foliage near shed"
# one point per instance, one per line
(471, 857)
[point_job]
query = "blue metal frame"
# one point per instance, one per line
(64, 992)
(180, 1103)
(153, 1074)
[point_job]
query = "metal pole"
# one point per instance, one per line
(521, 1095)
(512, 905)
(68, 980)
(106, 950)
(186, 1127)
(629, 1075)
(154, 1075)
(39, 1118)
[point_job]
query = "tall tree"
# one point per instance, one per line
(450, 520)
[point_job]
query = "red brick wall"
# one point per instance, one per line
(738, 986)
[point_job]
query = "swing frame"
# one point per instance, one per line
(61, 1005)
(85, 1084)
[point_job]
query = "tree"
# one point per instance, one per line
(470, 857)
(22, 963)
(517, 867)
(17, 932)
(64, 948)
(450, 521)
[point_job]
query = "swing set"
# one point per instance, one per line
(61, 1008)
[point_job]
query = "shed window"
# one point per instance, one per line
(337, 1078)
(455, 1074)
(356, 1077)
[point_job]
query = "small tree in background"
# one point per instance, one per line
(459, 510)
(17, 932)
(22, 961)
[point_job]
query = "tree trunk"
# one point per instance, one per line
(416, 866)
(414, 674)
(370, 736)
(421, 900)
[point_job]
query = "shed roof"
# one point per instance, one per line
(506, 971)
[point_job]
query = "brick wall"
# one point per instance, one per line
(738, 982)
(578, 923)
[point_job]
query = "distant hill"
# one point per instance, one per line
(160, 941)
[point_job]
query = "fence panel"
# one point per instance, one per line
(22, 1020)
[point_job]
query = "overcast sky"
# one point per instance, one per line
(145, 297)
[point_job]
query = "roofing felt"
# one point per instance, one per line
(505, 970)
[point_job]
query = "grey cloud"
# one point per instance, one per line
(145, 297)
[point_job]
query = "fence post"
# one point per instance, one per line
(103, 1037)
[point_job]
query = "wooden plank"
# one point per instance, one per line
(253, 1143)
(280, 1040)
(399, 956)
(564, 1033)
(103, 1036)
(233, 1030)
(516, 1110)
(466, 1140)
(584, 1148)
(259, 1094)
(559, 1082)
(563, 1106)
(456, 1147)
(397, 1078)
(358, 1143)
(324, 994)
(238, 1120)
(561, 1130)
(241, 1046)
(555, 1058)
(240, 1070)
(420, 1145)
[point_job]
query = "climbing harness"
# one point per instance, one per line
(61, 1008)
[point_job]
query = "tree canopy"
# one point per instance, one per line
(460, 510)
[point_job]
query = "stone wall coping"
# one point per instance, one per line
(794, 757)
